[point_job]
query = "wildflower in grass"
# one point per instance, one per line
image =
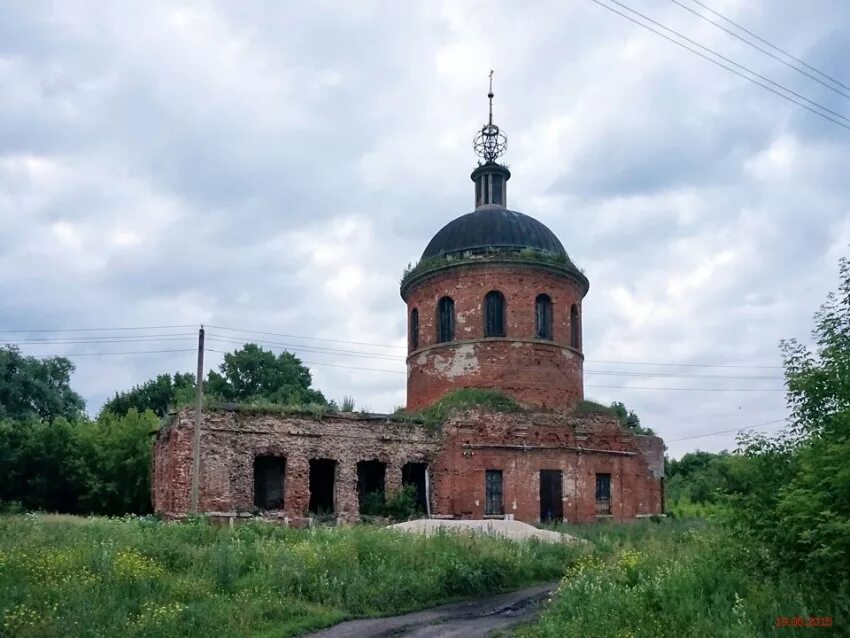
(154, 614)
(586, 562)
(131, 565)
(629, 559)
(55, 566)
(23, 620)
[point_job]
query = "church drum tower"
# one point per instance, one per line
(495, 301)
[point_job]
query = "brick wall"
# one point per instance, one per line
(543, 374)
(521, 445)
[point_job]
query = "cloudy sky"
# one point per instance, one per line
(269, 167)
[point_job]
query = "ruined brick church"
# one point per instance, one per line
(494, 303)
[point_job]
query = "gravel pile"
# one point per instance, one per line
(512, 530)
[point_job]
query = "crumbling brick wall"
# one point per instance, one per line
(458, 455)
(231, 440)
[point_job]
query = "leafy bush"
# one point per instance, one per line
(675, 579)
(401, 505)
(373, 504)
(461, 401)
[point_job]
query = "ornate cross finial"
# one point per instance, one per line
(490, 143)
(490, 95)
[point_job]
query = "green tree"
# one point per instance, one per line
(629, 419)
(39, 463)
(159, 395)
(37, 388)
(115, 456)
(253, 374)
(795, 491)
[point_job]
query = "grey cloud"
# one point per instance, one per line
(281, 167)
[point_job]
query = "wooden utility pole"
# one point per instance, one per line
(196, 439)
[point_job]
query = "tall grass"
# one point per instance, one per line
(61, 575)
(677, 579)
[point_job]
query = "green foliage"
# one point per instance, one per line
(461, 401)
(373, 504)
(586, 406)
(160, 395)
(32, 388)
(679, 579)
(139, 577)
(347, 404)
(627, 418)
(253, 374)
(40, 464)
(703, 478)
(401, 504)
(100, 466)
(524, 255)
(116, 454)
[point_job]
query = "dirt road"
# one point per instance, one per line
(470, 619)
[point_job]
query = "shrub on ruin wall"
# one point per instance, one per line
(461, 401)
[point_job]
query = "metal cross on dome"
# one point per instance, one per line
(490, 143)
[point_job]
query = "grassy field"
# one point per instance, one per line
(61, 575)
(691, 578)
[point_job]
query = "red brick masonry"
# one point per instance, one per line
(520, 445)
(537, 373)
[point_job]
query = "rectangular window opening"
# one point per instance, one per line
(414, 474)
(322, 486)
(269, 472)
(551, 496)
(603, 493)
(493, 504)
(371, 491)
(497, 191)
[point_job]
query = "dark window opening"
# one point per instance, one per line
(414, 474)
(493, 503)
(414, 329)
(269, 472)
(494, 310)
(543, 316)
(603, 493)
(486, 189)
(497, 190)
(575, 328)
(551, 496)
(445, 320)
(478, 201)
(370, 486)
(322, 484)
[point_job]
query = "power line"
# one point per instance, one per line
(622, 373)
(47, 342)
(730, 61)
(763, 41)
(244, 337)
(331, 365)
(348, 353)
(307, 348)
(104, 354)
(688, 365)
(187, 325)
(634, 387)
(279, 334)
(720, 64)
(765, 51)
(738, 429)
